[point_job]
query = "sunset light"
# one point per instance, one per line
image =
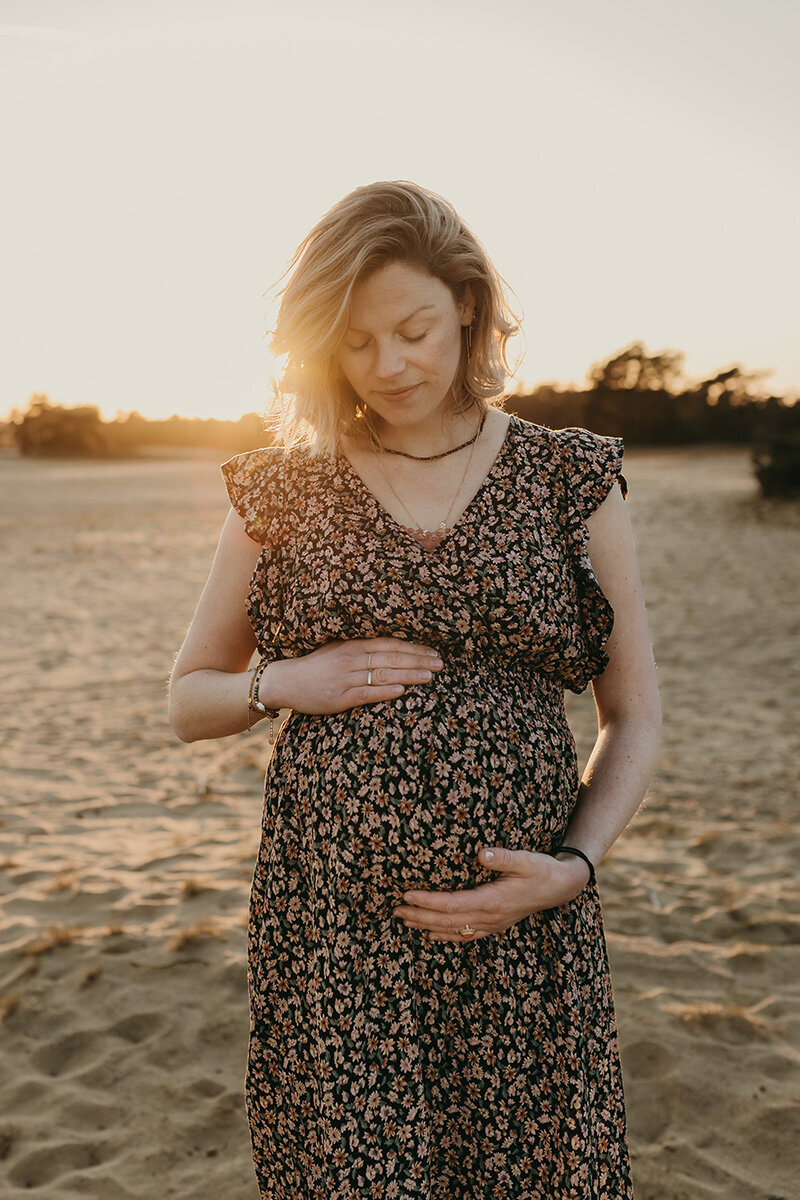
(630, 167)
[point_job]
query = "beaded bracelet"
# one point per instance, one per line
(580, 854)
(253, 702)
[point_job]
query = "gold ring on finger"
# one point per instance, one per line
(467, 931)
(369, 661)
(369, 678)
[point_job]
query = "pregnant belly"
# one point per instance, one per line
(404, 794)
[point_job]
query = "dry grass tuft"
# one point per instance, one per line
(195, 933)
(66, 881)
(712, 1017)
(9, 1005)
(7, 864)
(193, 887)
(57, 935)
(90, 975)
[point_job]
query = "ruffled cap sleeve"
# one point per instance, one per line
(592, 463)
(254, 481)
(590, 466)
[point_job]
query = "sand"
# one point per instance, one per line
(126, 855)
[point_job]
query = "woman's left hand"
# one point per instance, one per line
(530, 882)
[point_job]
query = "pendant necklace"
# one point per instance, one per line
(429, 539)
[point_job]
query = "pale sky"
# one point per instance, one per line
(631, 166)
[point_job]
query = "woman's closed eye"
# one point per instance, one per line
(405, 339)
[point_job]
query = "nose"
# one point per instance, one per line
(390, 362)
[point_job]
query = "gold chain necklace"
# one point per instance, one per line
(428, 534)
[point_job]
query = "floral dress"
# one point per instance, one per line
(382, 1066)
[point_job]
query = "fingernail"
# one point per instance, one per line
(488, 855)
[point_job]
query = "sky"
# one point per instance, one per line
(632, 168)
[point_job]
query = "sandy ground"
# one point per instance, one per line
(126, 855)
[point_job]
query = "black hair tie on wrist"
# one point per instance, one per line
(580, 854)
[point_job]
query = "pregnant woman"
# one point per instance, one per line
(431, 1009)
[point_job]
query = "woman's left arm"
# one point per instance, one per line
(616, 776)
(623, 760)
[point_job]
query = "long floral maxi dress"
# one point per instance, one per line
(383, 1066)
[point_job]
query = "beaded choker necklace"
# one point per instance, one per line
(431, 457)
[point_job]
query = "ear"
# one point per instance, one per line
(467, 306)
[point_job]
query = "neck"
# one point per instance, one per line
(431, 436)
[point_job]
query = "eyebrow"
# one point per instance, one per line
(352, 329)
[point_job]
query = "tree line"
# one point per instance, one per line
(641, 397)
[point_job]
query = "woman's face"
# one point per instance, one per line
(401, 350)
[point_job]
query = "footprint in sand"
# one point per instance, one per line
(70, 1053)
(138, 1027)
(650, 1079)
(49, 1162)
(207, 1089)
(647, 1059)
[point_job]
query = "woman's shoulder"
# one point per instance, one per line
(263, 459)
(535, 446)
(256, 486)
(577, 443)
(571, 439)
(569, 447)
(590, 464)
(275, 479)
(273, 464)
(576, 464)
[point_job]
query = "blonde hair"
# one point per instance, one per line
(380, 223)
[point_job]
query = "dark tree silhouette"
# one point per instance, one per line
(48, 428)
(633, 369)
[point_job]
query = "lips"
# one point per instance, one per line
(400, 393)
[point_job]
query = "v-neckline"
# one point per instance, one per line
(386, 517)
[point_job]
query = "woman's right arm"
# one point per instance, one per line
(210, 681)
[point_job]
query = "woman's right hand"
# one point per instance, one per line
(334, 677)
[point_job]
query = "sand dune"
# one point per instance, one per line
(126, 856)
